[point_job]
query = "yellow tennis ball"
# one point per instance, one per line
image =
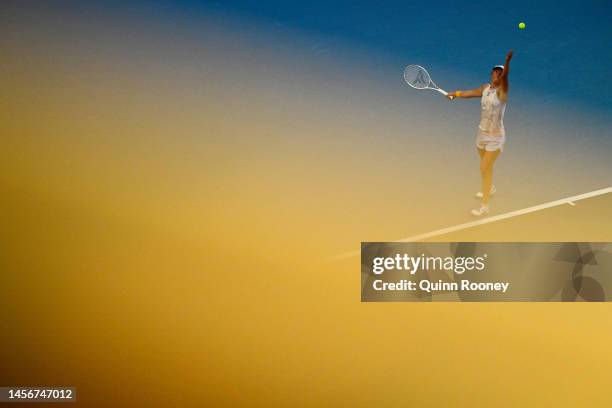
(522, 26)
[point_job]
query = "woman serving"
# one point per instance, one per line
(491, 135)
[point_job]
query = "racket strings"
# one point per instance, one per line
(417, 77)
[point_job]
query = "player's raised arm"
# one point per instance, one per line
(472, 93)
(506, 71)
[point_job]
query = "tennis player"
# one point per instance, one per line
(491, 135)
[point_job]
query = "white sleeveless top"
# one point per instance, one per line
(491, 113)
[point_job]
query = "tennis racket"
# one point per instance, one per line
(417, 77)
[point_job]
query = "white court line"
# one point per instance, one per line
(569, 200)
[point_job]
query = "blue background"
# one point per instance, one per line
(563, 54)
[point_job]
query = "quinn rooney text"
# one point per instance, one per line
(428, 286)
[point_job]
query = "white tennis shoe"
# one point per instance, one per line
(480, 211)
(491, 192)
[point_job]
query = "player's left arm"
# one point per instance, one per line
(505, 72)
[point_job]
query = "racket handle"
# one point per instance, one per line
(442, 91)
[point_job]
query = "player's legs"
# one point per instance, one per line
(481, 152)
(487, 160)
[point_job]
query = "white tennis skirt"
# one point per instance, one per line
(491, 143)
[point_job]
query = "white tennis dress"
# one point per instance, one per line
(491, 133)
